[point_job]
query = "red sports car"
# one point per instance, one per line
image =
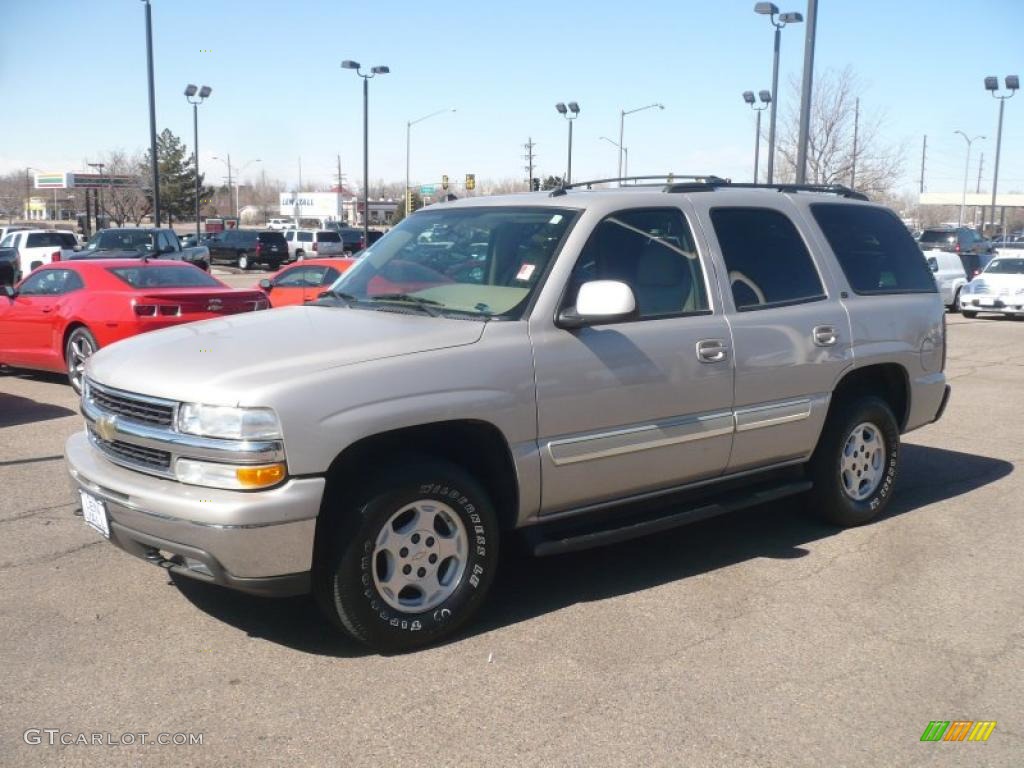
(63, 312)
(302, 281)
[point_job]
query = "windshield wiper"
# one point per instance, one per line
(348, 298)
(427, 305)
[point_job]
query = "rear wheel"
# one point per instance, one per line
(854, 466)
(80, 347)
(243, 261)
(300, 255)
(955, 306)
(412, 560)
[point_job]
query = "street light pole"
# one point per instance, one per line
(967, 167)
(805, 92)
(570, 113)
(190, 93)
(154, 166)
(378, 70)
(408, 130)
(771, 11)
(622, 123)
(1012, 83)
(766, 100)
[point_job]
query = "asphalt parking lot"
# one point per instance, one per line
(758, 639)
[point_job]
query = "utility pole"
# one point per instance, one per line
(341, 187)
(528, 146)
(300, 174)
(856, 125)
(924, 151)
(805, 92)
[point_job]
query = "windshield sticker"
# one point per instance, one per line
(525, 272)
(555, 219)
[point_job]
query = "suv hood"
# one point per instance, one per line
(217, 361)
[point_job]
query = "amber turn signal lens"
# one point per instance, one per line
(260, 477)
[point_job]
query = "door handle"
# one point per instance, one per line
(824, 335)
(711, 350)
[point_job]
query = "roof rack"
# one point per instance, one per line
(659, 180)
(711, 185)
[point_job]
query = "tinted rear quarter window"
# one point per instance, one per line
(874, 249)
(328, 237)
(271, 237)
(767, 261)
(935, 236)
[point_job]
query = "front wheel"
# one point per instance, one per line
(412, 561)
(968, 314)
(854, 466)
(955, 306)
(80, 347)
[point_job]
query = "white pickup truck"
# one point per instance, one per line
(40, 246)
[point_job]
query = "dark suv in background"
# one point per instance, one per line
(974, 250)
(245, 248)
(353, 238)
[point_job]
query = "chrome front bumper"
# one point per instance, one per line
(255, 541)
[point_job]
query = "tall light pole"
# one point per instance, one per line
(408, 131)
(805, 92)
(378, 70)
(992, 85)
(99, 192)
(967, 166)
(772, 11)
(623, 150)
(766, 100)
(191, 97)
(570, 113)
(154, 166)
(622, 123)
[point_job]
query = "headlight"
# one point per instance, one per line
(230, 476)
(228, 422)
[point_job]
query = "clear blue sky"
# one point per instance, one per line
(73, 79)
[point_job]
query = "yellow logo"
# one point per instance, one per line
(106, 427)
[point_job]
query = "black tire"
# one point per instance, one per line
(968, 314)
(830, 498)
(80, 346)
(955, 306)
(346, 569)
(300, 255)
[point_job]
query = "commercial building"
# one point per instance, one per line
(335, 206)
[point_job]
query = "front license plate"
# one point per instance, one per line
(95, 513)
(988, 302)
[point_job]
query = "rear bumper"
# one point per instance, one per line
(259, 542)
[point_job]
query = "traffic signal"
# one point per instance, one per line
(535, 184)
(444, 182)
(470, 181)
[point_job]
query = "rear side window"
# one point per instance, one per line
(151, 276)
(48, 240)
(766, 259)
(328, 237)
(874, 249)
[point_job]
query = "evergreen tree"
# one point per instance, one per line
(177, 178)
(551, 182)
(399, 214)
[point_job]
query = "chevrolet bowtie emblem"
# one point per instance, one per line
(214, 305)
(106, 427)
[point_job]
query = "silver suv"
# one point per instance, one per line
(538, 363)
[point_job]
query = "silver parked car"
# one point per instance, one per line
(550, 359)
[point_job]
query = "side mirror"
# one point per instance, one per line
(9, 291)
(933, 264)
(265, 284)
(600, 302)
(77, 248)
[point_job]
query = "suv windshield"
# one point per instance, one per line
(478, 261)
(1005, 267)
(121, 240)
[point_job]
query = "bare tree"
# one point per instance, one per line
(830, 146)
(13, 188)
(125, 203)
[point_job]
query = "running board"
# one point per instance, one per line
(579, 537)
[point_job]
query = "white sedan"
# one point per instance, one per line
(998, 289)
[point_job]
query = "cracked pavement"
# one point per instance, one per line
(761, 638)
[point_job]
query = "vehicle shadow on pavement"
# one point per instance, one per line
(15, 410)
(528, 587)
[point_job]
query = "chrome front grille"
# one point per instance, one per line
(132, 455)
(149, 411)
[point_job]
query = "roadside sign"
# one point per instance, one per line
(427, 189)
